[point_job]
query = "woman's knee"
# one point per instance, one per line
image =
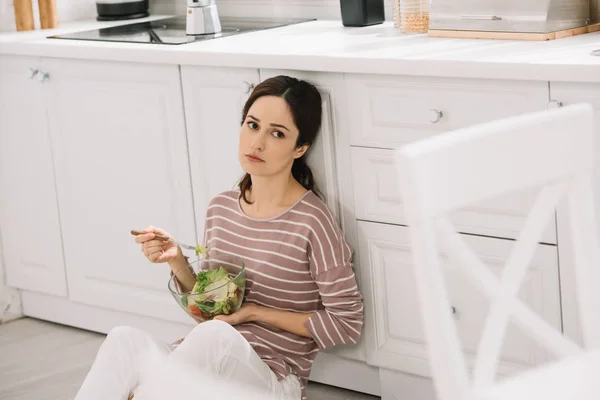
(215, 330)
(123, 334)
(213, 326)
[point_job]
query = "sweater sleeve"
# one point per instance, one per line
(340, 319)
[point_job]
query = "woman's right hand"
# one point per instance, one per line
(158, 251)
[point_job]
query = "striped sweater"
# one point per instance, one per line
(296, 261)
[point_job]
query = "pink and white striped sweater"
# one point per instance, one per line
(296, 261)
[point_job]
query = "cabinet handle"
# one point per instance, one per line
(453, 310)
(438, 116)
(556, 104)
(249, 87)
(44, 76)
(34, 72)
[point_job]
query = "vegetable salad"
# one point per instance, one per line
(215, 293)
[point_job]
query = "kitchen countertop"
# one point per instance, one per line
(328, 46)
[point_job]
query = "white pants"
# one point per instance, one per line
(214, 361)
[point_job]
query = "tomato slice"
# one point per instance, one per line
(194, 311)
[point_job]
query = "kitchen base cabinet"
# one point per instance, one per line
(92, 149)
(402, 386)
(121, 163)
(386, 112)
(29, 218)
(101, 319)
(395, 336)
(136, 145)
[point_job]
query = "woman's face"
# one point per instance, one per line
(268, 138)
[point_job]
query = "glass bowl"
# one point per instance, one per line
(219, 289)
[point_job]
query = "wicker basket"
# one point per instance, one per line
(411, 16)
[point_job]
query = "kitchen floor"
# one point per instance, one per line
(41, 360)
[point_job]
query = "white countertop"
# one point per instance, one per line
(329, 46)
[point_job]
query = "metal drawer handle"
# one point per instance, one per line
(556, 104)
(34, 72)
(44, 77)
(249, 87)
(438, 116)
(482, 17)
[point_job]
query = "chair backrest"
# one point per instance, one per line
(552, 150)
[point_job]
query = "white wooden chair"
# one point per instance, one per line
(552, 150)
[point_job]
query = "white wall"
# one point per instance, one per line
(71, 10)
(321, 9)
(68, 10)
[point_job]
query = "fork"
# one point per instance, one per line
(165, 239)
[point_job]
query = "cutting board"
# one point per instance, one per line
(514, 35)
(48, 17)
(24, 15)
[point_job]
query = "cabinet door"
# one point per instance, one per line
(29, 220)
(564, 94)
(118, 134)
(214, 99)
(329, 159)
(392, 308)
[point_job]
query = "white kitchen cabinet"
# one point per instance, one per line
(29, 219)
(329, 160)
(378, 198)
(390, 111)
(118, 138)
(564, 94)
(387, 111)
(396, 341)
(214, 99)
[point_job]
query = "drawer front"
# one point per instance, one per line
(390, 111)
(378, 198)
(394, 332)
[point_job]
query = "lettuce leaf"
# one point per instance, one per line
(208, 307)
(205, 278)
(201, 250)
(217, 274)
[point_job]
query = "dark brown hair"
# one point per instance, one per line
(304, 102)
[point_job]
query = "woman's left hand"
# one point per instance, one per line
(247, 313)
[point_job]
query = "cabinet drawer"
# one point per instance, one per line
(388, 111)
(394, 333)
(378, 198)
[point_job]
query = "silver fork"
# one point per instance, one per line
(165, 239)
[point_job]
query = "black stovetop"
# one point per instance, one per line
(172, 30)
